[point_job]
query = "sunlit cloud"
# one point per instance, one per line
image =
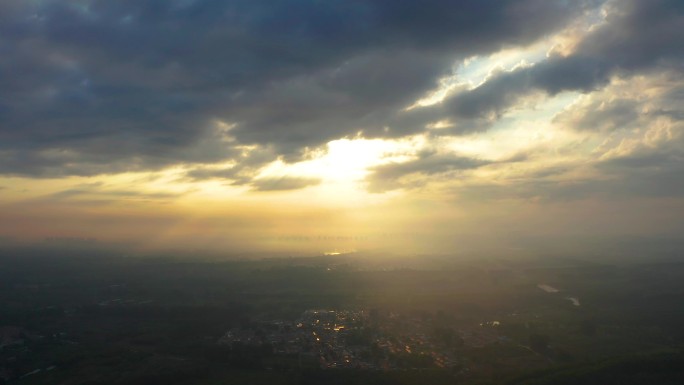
(360, 121)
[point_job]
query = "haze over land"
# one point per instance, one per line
(305, 126)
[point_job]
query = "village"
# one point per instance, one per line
(363, 339)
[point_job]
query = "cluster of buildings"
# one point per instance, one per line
(355, 339)
(322, 335)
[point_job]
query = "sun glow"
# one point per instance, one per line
(348, 160)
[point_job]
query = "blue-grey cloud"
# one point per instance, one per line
(98, 86)
(637, 37)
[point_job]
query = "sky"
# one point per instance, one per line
(305, 126)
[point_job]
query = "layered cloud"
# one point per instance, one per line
(96, 87)
(338, 107)
(635, 36)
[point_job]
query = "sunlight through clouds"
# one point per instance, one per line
(340, 119)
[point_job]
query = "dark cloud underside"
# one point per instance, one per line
(100, 87)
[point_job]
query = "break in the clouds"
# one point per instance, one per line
(636, 36)
(373, 112)
(94, 87)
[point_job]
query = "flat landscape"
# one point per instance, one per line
(90, 317)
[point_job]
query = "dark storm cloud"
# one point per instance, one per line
(637, 36)
(361, 94)
(100, 86)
